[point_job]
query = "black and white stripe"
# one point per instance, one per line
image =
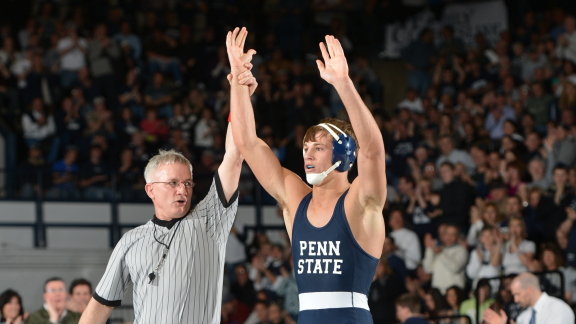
(188, 287)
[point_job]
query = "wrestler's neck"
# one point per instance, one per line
(334, 185)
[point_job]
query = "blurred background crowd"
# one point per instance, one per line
(481, 146)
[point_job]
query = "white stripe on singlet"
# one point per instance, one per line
(332, 299)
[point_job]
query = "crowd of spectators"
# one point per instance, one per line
(90, 90)
(481, 152)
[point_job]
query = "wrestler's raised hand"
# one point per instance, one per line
(333, 66)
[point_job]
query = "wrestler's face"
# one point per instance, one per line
(170, 201)
(318, 153)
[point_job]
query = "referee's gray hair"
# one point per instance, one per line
(164, 157)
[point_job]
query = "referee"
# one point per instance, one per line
(175, 261)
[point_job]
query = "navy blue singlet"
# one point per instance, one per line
(333, 272)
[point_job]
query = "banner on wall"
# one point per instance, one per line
(488, 18)
(399, 35)
(468, 19)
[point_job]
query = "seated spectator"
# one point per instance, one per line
(69, 123)
(260, 272)
(536, 212)
(259, 313)
(158, 96)
(161, 55)
(80, 294)
(205, 130)
(41, 82)
(407, 242)
(424, 208)
(560, 191)
(72, 50)
(566, 235)
(65, 176)
(242, 288)
(229, 313)
(537, 171)
(182, 120)
(412, 102)
(551, 259)
(513, 207)
(559, 146)
(538, 104)
(435, 303)
(513, 179)
(387, 284)
(454, 297)
(277, 316)
(518, 252)
(99, 120)
(446, 259)
(408, 310)
(499, 113)
(126, 38)
(126, 125)
(489, 216)
(11, 309)
(154, 128)
(456, 197)
(130, 94)
(129, 177)
(481, 296)
(395, 262)
(95, 176)
(54, 309)
(33, 174)
(287, 289)
(102, 53)
(486, 259)
(38, 125)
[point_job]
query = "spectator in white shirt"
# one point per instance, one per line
(38, 125)
(518, 252)
(445, 261)
(407, 242)
(486, 259)
(448, 153)
(412, 102)
(72, 50)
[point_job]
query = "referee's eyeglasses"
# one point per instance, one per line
(188, 184)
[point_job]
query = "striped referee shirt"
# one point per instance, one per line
(188, 286)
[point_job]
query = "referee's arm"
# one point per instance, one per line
(229, 170)
(95, 313)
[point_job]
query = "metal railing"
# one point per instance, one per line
(40, 225)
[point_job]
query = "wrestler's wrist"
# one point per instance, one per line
(235, 70)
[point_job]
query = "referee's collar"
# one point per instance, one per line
(167, 223)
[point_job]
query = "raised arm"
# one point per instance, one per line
(370, 185)
(95, 313)
(229, 169)
(264, 164)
